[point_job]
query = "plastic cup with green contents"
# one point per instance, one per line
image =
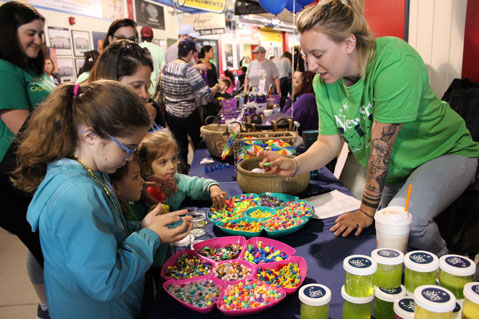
(404, 308)
(384, 301)
(315, 300)
(470, 309)
(456, 271)
(421, 269)
(389, 272)
(356, 307)
(359, 273)
(433, 302)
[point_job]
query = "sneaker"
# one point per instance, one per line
(42, 314)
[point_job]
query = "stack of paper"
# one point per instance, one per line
(332, 204)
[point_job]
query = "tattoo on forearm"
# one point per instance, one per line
(369, 204)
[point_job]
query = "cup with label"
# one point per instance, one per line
(392, 228)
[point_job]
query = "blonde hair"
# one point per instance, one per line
(154, 146)
(338, 19)
(108, 107)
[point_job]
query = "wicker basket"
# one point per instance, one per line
(250, 182)
(215, 136)
(286, 136)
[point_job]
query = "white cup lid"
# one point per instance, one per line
(434, 298)
(389, 295)
(314, 295)
(404, 307)
(387, 256)
(457, 265)
(471, 292)
(356, 300)
(393, 215)
(360, 265)
(421, 261)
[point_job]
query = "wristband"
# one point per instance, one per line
(295, 167)
(366, 214)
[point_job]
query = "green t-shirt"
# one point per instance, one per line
(158, 58)
(19, 90)
(395, 90)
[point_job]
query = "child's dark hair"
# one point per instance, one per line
(13, 15)
(123, 171)
(203, 51)
(90, 59)
(226, 81)
(108, 107)
(117, 24)
(230, 76)
(120, 59)
(152, 147)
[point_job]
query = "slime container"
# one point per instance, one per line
(433, 302)
(315, 300)
(359, 272)
(470, 309)
(389, 272)
(404, 308)
(456, 271)
(384, 301)
(354, 307)
(421, 269)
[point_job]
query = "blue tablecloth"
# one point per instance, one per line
(323, 252)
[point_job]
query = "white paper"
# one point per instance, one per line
(333, 204)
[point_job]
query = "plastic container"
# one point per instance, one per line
(457, 312)
(421, 268)
(315, 300)
(456, 271)
(384, 301)
(359, 272)
(354, 307)
(470, 310)
(433, 302)
(199, 223)
(389, 272)
(404, 308)
(260, 213)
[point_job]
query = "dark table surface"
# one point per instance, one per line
(324, 253)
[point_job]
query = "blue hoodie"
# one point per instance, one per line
(92, 269)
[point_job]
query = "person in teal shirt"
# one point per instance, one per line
(23, 85)
(375, 94)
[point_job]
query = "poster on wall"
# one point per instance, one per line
(66, 69)
(228, 55)
(150, 14)
(81, 42)
(98, 38)
(113, 9)
(78, 64)
(60, 40)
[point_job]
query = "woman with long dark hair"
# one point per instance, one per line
(121, 29)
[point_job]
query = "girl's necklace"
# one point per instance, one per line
(107, 191)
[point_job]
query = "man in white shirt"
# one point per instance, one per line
(157, 55)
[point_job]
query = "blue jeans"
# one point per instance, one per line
(436, 184)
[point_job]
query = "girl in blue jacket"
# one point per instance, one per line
(95, 261)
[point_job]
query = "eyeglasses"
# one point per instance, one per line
(120, 37)
(128, 151)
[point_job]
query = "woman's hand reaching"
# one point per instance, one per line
(274, 163)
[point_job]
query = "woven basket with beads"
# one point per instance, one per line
(215, 137)
(250, 182)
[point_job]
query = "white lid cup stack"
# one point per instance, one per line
(389, 267)
(359, 274)
(456, 271)
(393, 225)
(421, 269)
(384, 301)
(470, 310)
(315, 300)
(356, 307)
(404, 308)
(433, 302)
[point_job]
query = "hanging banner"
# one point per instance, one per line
(206, 23)
(268, 34)
(205, 5)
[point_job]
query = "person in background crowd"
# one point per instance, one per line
(126, 62)
(121, 29)
(375, 93)
(283, 64)
(209, 107)
(48, 68)
(182, 86)
(232, 87)
(304, 109)
(261, 73)
(298, 60)
(223, 86)
(90, 58)
(244, 64)
(157, 55)
(95, 262)
(23, 85)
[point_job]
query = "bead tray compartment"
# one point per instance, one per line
(223, 284)
(239, 212)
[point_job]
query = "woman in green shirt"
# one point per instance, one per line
(375, 94)
(23, 85)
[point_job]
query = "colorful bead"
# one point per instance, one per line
(261, 255)
(287, 276)
(221, 253)
(188, 266)
(248, 295)
(202, 293)
(231, 271)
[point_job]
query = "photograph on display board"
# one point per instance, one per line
(98, 38)
(78, 64)
(66, 69)
(112, 9)
(148, 13)
(81, 42)
(228, 55)
(60, 40)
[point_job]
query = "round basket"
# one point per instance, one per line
(215, 137)
(250, 182)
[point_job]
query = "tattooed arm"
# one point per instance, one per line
(382, 140)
